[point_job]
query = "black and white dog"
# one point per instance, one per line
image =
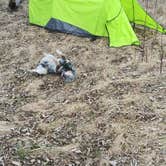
(50, 64)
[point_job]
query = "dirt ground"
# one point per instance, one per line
(112, 115)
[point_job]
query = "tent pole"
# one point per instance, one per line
(161, 40)
(155, 13)
(144, 33)
(133, 14)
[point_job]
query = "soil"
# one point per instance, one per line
(112, 114)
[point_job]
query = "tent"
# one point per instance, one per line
(108, 18)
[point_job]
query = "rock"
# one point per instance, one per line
(113, 163)
(16, 163)
(151, 99)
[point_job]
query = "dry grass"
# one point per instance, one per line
(113, 114)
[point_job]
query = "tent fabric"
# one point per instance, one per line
(61, 26)
(108, 18)
(139, 16)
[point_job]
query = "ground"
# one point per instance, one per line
(112, 114)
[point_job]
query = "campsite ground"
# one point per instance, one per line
(113, 114)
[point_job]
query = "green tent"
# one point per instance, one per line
(109, 18)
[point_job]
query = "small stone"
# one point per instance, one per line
(151, 98)
(113, 163)
(113, 78)
(16, 163)
(33, 160)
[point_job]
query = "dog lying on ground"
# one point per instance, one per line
(50, 64)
